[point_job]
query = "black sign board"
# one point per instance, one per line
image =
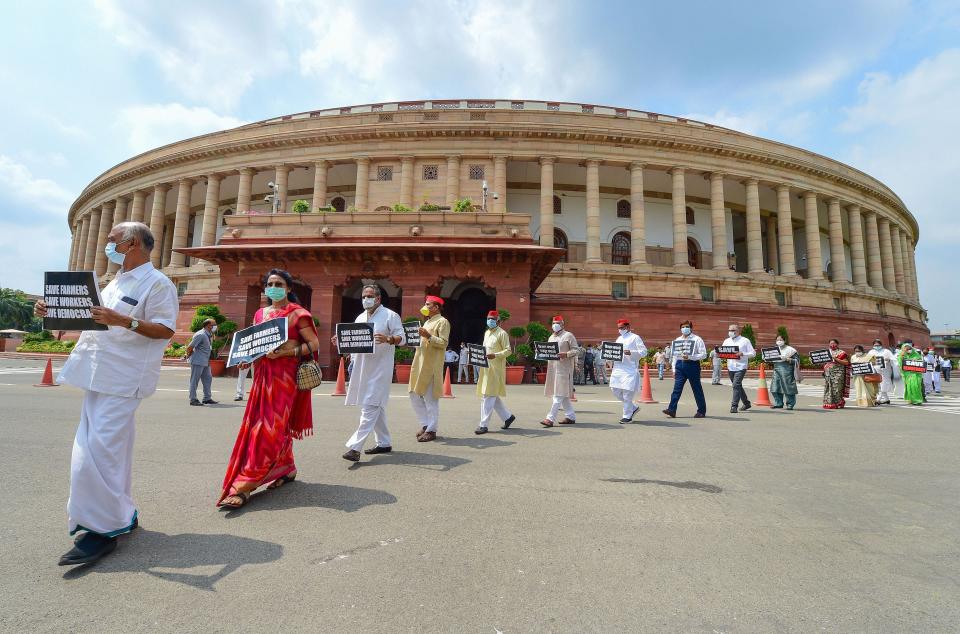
(546, 351)
(477, 355)
(69, 296)
(611, 351)
(861, 369)
(879, 362)
(728, 352)
(412, 332)
(254, 342)
(353, 338)
(914, 365)
(770, 354)
(680, 347)
(819, 357)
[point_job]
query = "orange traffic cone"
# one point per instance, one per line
(763, 396)
(47, 380)
(340, 389)
(646, 392)
(447, 390)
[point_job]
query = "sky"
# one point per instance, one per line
(88, 84)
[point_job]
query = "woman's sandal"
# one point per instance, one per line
(279, 482)
(244, 497)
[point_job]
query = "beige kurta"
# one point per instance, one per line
(428, 359)
(560, 373)
(493, 380)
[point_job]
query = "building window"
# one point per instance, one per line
(431, 172)
(623, 208)
(836, 304)
(880, 309)
(781, 297)
(560, 242)
(706, 294)
(344, 110)
(476, 171)
(386, 116)
(694, 254)
(478, 116)
(586, 109)
(553, 106)
(338, 204)
(516, 105)
(181, 289)
(618, 288)
(431, 116)
(377, 107)
(385, 173)
(557, 205)
(620, 248)
(691, 217)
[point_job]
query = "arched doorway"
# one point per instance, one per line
(339, 204)
(391, 296)
(620, 248)
(891, 341)
(694, 255)
(466, 306)
(560, 242)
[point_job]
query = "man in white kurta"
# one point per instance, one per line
(116, 368)
(931, 379)
(372, 374)
(883, 363)
(492, 380)
(559, 382)
(625, 378)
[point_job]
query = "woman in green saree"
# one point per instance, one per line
(912, 381)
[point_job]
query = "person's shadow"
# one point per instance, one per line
(432, 462)
(657, 423)
(298, 494)
(154, 553)
(478, 442)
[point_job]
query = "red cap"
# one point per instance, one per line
(433, 299)
(622, 322)
(557, 318)
(494, 314)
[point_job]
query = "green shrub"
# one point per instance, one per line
(401, 208)
(47, 346)
(412, 319)
(504, 314)
(301, 207)
(429, 207)
(326, 210)
(516, 332)
(782, 332)
(537, 332)
(463, 205)
(35, 337)
(175, 351)
(401, 354)
(747, 332)
(524, 350)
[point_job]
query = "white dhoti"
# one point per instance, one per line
(626, 396)
(564, 403)
(373, 418)
(489, 405)
(931, 381)
(101, 466)
(427, 408)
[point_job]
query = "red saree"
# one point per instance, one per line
(277, 412)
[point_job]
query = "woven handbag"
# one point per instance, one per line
(308, 374)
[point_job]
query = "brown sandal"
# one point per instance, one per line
(244, 497)
(279, 482)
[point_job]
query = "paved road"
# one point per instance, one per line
(762, 522)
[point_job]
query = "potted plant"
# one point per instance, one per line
(427, 206)
(397, 207)
(463, 205)
(537, 332)
(402, 357)
(301, 207)
(225, 330)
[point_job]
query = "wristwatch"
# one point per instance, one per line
(134, 324)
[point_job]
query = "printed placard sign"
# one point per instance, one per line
(861, 369)
(353, 338)
(253, 342)
(728, 352)
(770, 354)
(914, 365)
(819, 357)
(477, 355)
(546, 351)
(69, 296)
(680, 347)
(611, 351)
(412, 332)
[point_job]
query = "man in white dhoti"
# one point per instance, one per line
(426, 372)
(372, 374)
(559, 382)
(883, 363)
(492, 380)
(625, 378)
(117, 368)
(931, 379)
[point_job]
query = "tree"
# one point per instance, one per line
(782, 332)
(748, 333)
(16, 310)
(301, 207)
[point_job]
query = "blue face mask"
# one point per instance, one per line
(685, 330)
(275, 293)
(491, 323)
(112, 254)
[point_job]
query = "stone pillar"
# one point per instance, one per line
(181, 223)
(812, 229)
(167, 250)
(406, 181)
(82, 244)
(136, 207)
(681, 258)
(211, 204)
(897, 259)
(718, 222)
(908, 281)
(856, 245)
(912, 258)
(788, 261)
(838, 259)
(319, 185)
(74, 239)
(546, 201)
(157, 221)
(874, 268)
(453, 180)
(754, 232)
(363, 183)
(638, 216)
(90, 251)
(106, 224)
(593, 211)
(500, 183)
(244, 189)
(119, 215)
(772, 259)
(886, 255)
(280, 180)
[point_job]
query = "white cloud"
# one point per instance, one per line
(748, 122)
(147, 127)
(21, 189)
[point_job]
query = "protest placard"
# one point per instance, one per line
(771, 354)
(861, 369)
(680, 347)
(477, 355)
(611, 351)
(546, 351)
(819, 357)
(412, 332)
(353, 338)
(253, 342)
(69, 296)
(728, 352)
(914, 365)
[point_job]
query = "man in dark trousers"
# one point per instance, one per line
(689, 351)
(198, 351)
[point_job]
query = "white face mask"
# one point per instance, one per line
(557, 327)
(732, 334)
(780, 342)
(369, 302)
(623, 331)
(213, 329)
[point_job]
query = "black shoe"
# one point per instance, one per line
(672, 413)
(776, 407)
(480, 430)
(744, 408)
(624, 421)
(353, 455)
(508, 422)
(88, 548)
(733, 410)
(376, 450)
(700, 415)
(636, 408)
(196, 403)
(238, 398)
(209, 401)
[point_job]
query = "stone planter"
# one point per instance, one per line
(403, 373)
(218, 366)
(515, 374)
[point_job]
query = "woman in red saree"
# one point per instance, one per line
(277, 412)
(836, 378)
